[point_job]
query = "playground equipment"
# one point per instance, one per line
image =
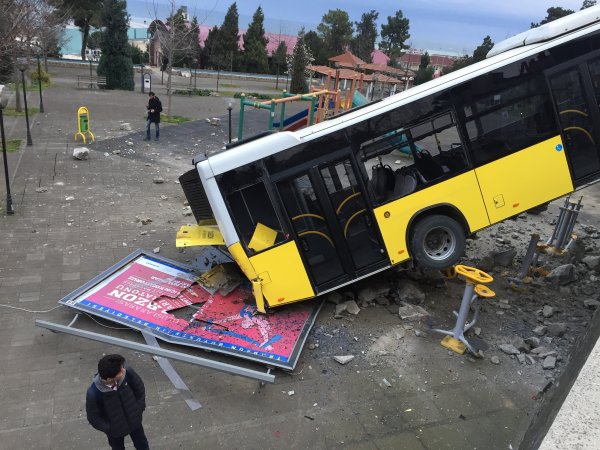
(323, 104)
(474, 289)
(83, 124)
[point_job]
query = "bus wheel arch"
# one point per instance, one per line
(437, 237)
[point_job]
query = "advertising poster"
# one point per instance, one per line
(162, 297)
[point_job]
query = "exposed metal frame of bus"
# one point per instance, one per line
(267, 376)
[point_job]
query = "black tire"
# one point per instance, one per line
(437, 242)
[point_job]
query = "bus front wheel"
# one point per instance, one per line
(437, 241)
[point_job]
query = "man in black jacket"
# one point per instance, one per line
(154, 108)
(115, 402)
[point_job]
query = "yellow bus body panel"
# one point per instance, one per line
(461, 191)
(239, 256)
(525, 179)
(282, 273)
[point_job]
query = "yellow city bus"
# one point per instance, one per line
(408, 177)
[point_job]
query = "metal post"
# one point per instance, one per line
(229, 108)
(142, 75)
(271, 114)
(528, 259)
(311, 113)
(9, 207)
(29, 142)
(91, 76)
(282, 117)
(241, 118)
(461, 319)
(40, 84)
(218, 73)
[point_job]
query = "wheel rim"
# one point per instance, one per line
(439, 243)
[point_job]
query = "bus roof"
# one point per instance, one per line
(549, 30)
(269, 145)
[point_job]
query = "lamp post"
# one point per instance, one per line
(9, 207)
(195, 70)
(22, 65)
(91, 84)
(40, 81)
(229, 108)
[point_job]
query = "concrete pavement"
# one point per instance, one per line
(53, 244)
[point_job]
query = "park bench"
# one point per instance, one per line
(85, 81)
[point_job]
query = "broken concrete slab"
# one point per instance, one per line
(411, 312)
(81, 153)
(410, 292)
(343, 359)
(562, 275)
(549, 363)
(509, 349)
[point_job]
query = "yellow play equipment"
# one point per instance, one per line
(84, 124)
(474, 289)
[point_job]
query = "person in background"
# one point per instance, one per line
(154, 108)
(115, 402)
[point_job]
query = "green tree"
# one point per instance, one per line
(138, 56)
(587, 3)
(317, 48)
(210, 44)
(297, 64)
(228, 35)
(95, 40)
(181, 32)
(278, 60)
(459, 63)
(425, 71)
(195, 49)
(336, 31)
(366, 35)
(255, 45)
(86, 14)
(115, 62)
(394, 34)
(553, 13)
(481, 52)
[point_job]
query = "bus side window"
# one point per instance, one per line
(509, 120)
(254, 215)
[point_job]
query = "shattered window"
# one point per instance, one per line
(255, 218)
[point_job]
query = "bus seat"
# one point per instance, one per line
(406, 182)
(427, 165)
(382, 181)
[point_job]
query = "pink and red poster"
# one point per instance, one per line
(148, 293)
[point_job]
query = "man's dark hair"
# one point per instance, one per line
(110, 365)
(151, 94)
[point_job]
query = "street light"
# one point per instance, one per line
(195, 61)
(229, 108)
(9, 207)
(22, 65)
(39, 50)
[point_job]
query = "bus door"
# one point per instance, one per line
(576, 92)
(333, 226)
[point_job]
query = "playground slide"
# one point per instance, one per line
(358, 99)
(292, 119)
(297, 125)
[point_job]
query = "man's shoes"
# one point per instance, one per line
(156, 139)
(147, 139)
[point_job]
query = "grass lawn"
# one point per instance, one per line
(32, 86)
(13, 145)
(12, 112)
(174, 119)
